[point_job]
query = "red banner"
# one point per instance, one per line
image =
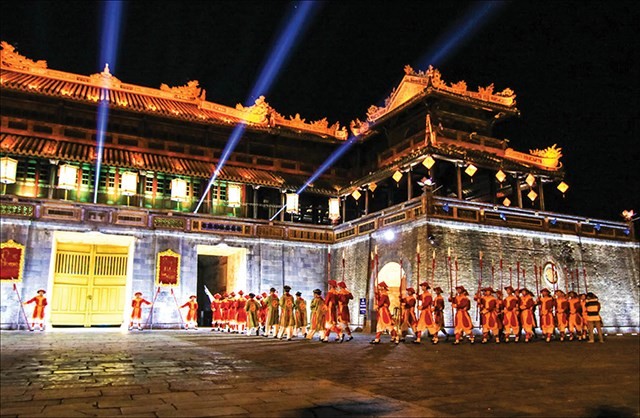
(11, 261)
(168, 269)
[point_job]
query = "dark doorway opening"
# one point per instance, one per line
(212, 274)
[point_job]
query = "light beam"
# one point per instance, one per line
(281, 51)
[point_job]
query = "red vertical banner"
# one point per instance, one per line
(168, 269)
(11, 261)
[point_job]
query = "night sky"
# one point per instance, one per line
(573, 66)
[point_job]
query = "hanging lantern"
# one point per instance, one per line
(334, 208)
(532, 195)
(397, 176)
(471, 170)
(234, 195)
(530, 180)
(178, 190)
(8, 168)
(506, 202)
(356, 194)
(292, 203)
(373, 187)
(67, 177)
(563, 187)
(428, 162)
(129, 183)
(501, 176)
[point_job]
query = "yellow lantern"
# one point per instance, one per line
(373, 187)
(178, 190)
(129, 183)
(8, 168)
(563, 187)
(501, 176)
(334, 208)
(506, 202)
(356, 194)
(397, 176)
(530, 180)
(532, 195)
(67, 177)
(234, 195)
(428, 162)
(471, 170)
(292, 203)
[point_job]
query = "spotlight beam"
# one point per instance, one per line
(111, 18)
(279, 54)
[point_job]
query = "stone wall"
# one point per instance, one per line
(612, 267)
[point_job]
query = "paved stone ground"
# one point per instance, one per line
(198, 373)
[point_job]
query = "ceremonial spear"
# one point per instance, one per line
(418, 279)
(15, 288)
(479, 287)
(584, 275)
(501, 273)
(450, 278)
(149, 318)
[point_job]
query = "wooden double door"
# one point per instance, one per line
(89, 284)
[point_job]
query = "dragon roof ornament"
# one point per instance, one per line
(190, 91)
(11, 58)
(416, 82)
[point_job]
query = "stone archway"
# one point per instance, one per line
(391, 273)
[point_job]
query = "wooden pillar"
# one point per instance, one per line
(344, 208)
(459, 180)
(52, 179)
(409, 185)
(518, 191)
(493, 188)
(283, 202)
(541, 193)
(255, 201)
(366, 201)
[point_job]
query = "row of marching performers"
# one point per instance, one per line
(500, 316)
(271, 315)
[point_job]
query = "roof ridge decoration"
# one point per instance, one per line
(10, 58)
(416, 82)
(190, 91)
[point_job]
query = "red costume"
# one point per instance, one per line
(385, 320)
(38, 310)
(216, 312)
(136, 310)
(462, 320)
(547, 304)
(510, 315)
(438, 310)
(562, 313)
(526, 314)
(241, 313)
(489, 306)
(192, 315)
(408, 320)
(426, 321)
(575, 316)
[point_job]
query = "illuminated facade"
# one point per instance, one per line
(426, 159)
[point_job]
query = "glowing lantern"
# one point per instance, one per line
(292, 203)
(8, 168)
(501, 176)
(428, 162)
(397, 176)
(67, 177)
(471, 170)
(532, 195)
(356, 194)
(530, 180)
(628, 215)
(129, 183)
(178, 190)
(563, 187)
(234, 193)
(506, 202)
(373, 187)
(334, 208)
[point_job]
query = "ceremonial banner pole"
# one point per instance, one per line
(15, 288)
(456, 270)
(518, 273)
(537, 283)
(493, 274)
(418, 279)
(535, 271)
(178, 308)
(433, 267)
(511, 277)
(149, 323)
(566, 286)
(328, 265)
(343, 264)
(450, 279)
(573, 285)
(524, 278)
(584, 275)
(479, 287)
(501, 273)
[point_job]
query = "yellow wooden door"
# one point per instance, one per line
(89, 285)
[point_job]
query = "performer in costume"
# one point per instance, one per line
(300, 310)
(426, 321)
(385, 320)
(561, 313)
(318, 314)
(136, 311)
(526, 314)
(241, 313)
(273, 313)
(585, 316)
(490, 316)
(287, 318)
(408, 313)
(224, 308)
(331, 318)
(547, 304)
(232, 309)
(216, 313)
(510, 315)
(462, 321)
(262, 315)
(576, 323)
(592, 306)
(500, 310)
(38, 311)
(192, 315)
(344, 316)
(252, 310)
(438, 313)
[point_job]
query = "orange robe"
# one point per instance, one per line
(510, 315)
(385, 320)
(426, 321)
(462, 320)
(547, 304)
(318, 313)
(438, 311)
(331, 315)
(344, 316)
(192, 315)
(490, 315)
(575, 315)
(241, 313)
(408, 312)
(526, 314)
(232, 309)
(38, 310)
(136, 304)
(216, 309)
(562, 314)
